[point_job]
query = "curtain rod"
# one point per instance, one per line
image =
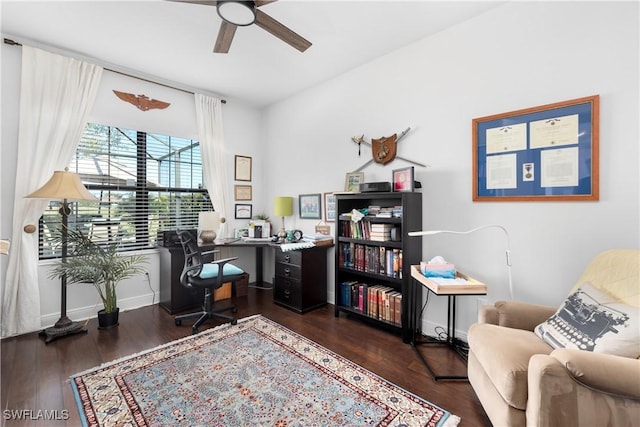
(11, 42)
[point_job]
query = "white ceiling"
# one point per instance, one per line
(174, 41)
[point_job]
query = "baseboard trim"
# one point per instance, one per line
(434, 329)
(90, 312)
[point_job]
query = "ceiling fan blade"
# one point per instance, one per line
(204, 2)
(263, 2)
(225, 37)
(274, 27)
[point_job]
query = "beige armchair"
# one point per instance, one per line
(522, 381)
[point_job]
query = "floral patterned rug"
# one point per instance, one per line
(255, 373)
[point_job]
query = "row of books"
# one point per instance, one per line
(371, 259)
(378, 301)
(367, 230)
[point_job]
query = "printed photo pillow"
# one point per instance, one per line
(592, 320)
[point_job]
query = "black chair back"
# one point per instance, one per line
(192, 258)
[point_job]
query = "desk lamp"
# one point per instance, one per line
(65, 186)
(208, 223)
(282, 206)
(473, 230)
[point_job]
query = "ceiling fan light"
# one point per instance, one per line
(241, 13)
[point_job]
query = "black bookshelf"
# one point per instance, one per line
(364, 260)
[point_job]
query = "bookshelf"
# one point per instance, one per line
(373, 259)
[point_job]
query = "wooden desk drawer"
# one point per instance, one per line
(291, 257)
(288, 271)
(286, 291)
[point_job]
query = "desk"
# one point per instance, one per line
(176, 298)
(239, 243)
(451, 291)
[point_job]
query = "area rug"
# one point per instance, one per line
(255, 373)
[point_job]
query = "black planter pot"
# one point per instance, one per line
(108, 320)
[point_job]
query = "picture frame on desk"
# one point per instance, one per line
(243, 211)
(403, 179)
(310, 206)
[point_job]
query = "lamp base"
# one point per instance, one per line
(62, 328)
(207, 236)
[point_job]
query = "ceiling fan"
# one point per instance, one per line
(236, 14)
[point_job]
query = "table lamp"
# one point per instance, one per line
(282, 206)
(208, 223)
(473, 230)
(64, 186)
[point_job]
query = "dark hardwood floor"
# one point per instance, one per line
(35, 375)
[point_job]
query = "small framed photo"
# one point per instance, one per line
(242, 192)
(310, 206)
(403, 179)
(242, 169)
(352, 181)
(243, 211)
(329, 207)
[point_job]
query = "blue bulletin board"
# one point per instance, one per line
(542, 153)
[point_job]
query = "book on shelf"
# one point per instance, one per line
(371, 259)
(376, 301)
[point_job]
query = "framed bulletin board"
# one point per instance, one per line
(542, 153)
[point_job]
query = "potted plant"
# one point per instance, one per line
(101, 265)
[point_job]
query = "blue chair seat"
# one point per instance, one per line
(209, 271)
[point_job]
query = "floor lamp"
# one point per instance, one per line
(64, 186)
(473, 230)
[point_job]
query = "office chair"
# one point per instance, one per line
(200, 275)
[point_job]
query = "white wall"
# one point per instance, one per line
(520, 55)
(516, 56)
(242, 136)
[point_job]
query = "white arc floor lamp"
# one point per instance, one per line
(65, 186)
(473, 230)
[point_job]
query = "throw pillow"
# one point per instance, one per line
(592, 320)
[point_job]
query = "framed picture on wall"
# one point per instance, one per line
(242, 192)
(243, 211)
(310, 206)
(329, 207)
(242, 168)
(544, 153)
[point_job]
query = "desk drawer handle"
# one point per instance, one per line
(287, 272)
(287, 258)
(287, 294)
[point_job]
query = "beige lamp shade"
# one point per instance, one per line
(63, 185)
(209, 221)
(283, 206)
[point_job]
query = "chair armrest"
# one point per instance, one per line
(488, 314)
(602, 372)
(514, 314)
(602, 395)
(223, 261)
(207, 254)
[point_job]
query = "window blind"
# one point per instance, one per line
(144, 183)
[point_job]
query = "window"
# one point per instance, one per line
(144, 183)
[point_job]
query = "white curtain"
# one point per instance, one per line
(56, 94)
(210, 134)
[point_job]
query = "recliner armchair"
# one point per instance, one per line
(198, 274)
(522, 381)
